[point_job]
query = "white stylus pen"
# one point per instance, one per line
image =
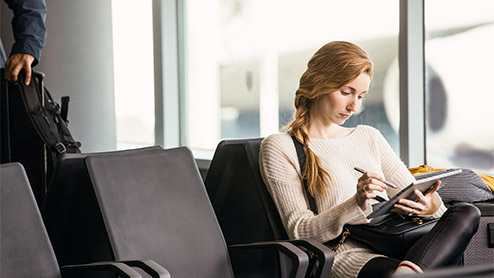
(363, 172)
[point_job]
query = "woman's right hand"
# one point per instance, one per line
(367, 184)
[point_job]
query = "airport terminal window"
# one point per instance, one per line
(133, 73)
(459, 94)
(244, 58)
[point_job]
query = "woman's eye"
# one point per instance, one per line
(345, 93)
(361, 97)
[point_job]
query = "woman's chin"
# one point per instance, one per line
(342, 122)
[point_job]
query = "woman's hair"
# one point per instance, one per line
(330, 68)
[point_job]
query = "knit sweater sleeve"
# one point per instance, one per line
(393, 168)
(281, 173)
(396, 171)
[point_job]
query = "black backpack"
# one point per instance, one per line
(48, 117)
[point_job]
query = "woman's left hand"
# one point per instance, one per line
(424, 206)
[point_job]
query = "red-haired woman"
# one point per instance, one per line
(332, 88)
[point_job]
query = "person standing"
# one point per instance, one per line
(19, 140)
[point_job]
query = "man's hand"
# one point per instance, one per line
(15, 64)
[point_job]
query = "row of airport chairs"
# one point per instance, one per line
(145, 208)
(147, 212)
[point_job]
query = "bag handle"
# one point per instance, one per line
(301, 160)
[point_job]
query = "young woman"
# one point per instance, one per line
(332, 88)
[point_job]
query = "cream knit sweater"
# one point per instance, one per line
(366, 148)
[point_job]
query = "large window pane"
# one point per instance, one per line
(459, 92)
(244, 59)
(134, 75)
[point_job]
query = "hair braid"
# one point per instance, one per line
(313, 172)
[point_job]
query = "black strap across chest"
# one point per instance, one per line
(301, 159)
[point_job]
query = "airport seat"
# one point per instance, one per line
(25, 249)
(252, 151)
(153, 204)
(229, 186)
(244, 208)
(70, 204)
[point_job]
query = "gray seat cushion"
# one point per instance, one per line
(464, 187)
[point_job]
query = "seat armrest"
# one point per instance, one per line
(150, 267)
(320, 253)
(121, 269)
(299, 259)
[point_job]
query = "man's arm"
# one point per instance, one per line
(28, 25)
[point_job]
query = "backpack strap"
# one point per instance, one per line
(301, 160)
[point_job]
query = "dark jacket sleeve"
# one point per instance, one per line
(28, 25)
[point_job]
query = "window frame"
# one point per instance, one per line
(412, 132)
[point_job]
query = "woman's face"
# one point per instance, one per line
(338, 106)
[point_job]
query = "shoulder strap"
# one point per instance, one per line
(301, 160)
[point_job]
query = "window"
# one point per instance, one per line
(459, 90)
(133, 69)
(244, 59)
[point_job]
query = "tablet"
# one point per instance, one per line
(408, 192)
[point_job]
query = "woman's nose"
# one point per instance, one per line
(353, 105)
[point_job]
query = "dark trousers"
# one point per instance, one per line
(442, 246)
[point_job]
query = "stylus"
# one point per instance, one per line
(363, 172)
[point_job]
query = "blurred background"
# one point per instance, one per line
(236, 65)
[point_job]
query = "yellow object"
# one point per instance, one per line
(489, 180)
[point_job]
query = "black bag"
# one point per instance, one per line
(48, 117)
(32, 125)
(392, 235)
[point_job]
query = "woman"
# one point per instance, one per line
(332, 88)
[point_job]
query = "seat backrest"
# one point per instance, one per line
(69, 205)
(154, 205)
(231, 188)
(25, 249)
(240, 211)
(71, 212)
(252, 149)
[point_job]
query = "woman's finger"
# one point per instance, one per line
(379, 185)
(403, 207)
(420, 197)
(407, 202)
(370, 184)
(370, 195)
(434, 188)
(376, 179)
(402, 210)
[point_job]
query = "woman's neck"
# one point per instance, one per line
(331, 131)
